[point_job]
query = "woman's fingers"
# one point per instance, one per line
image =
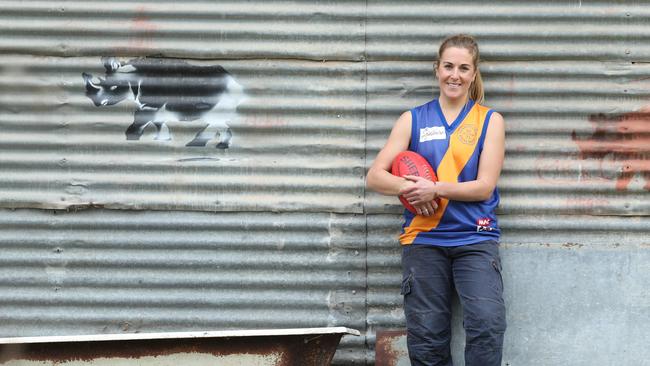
(420, 191)
(413, 178)
(414, 200)
(410, 196)
(425, 209)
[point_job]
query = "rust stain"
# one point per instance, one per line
(385, 352)
(624, 139)
(316, 350)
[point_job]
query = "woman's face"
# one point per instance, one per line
(455, 73)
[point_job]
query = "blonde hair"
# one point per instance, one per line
(467, 42)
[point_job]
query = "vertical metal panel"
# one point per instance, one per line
(297, 148)
(570, 80)
(322, 85)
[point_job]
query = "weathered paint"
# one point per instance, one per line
(623, 141)
(162, 237)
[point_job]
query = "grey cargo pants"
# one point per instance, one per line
(430, 275)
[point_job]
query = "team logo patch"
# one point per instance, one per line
(432, 133)
(467, 134)
(483, 224)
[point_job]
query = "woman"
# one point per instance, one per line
(453, 244)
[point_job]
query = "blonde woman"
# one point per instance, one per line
(452, 245)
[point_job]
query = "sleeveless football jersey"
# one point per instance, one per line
(453, 151)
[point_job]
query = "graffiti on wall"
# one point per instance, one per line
(165, 90)
(622, 140)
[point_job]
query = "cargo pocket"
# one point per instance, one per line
(406, 285)
(496, 264)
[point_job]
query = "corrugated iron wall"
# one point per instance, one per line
(101, 234)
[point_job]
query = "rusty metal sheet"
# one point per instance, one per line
(278, 347)
(390, 348)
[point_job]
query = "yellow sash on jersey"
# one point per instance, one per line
(462, 145)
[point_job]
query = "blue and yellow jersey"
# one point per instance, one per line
(453, 151)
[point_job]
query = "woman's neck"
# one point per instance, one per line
(453, 104)
(451, 108)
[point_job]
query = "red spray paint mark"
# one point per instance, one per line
(142, 29)
(141, 32)
(624, 139)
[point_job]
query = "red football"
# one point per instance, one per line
(412, 163)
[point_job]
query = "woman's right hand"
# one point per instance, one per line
(425, 209)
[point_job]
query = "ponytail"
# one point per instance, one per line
(476, 91)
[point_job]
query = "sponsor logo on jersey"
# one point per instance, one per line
(483, 224)
(432, 133)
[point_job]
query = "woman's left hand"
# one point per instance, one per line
(421, 192)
